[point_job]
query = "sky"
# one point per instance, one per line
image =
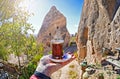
(71, 9)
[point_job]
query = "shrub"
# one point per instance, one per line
(118, 77)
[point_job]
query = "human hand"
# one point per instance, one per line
(47, 67)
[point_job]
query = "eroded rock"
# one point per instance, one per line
(99, 27)
(53, 20)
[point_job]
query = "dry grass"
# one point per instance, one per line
(73, 74)
(72, 66)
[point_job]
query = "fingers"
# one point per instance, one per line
(45, 60)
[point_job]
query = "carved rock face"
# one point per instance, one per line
(99, 27)
(53, 20)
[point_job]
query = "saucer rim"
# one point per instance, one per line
(60, 60)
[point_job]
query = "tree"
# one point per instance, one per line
(14, 27)
(14, 36)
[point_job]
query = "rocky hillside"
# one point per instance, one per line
(99, 27)
(53, 21)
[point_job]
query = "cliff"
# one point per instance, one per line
(99, 27)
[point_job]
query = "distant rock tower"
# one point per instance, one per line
(53, 21)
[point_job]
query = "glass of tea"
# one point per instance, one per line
(57, 50)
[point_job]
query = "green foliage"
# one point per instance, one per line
(10, 10)
(100, 75)
(84, 63)
(118, 77)
(30, 68)
(3, 54)
(72, 39)
(50, 52)
(98, 65)
(28, 71)
(13, 27)
(14, 36)
(37, 58)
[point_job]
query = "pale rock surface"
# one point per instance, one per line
(68, 72)
(99, 27)
(53, 21)
(14, 59)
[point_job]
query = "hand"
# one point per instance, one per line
(47, 67)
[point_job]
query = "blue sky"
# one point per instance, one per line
(71, 9)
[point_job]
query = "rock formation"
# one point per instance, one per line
(99, 27)
(53, 20)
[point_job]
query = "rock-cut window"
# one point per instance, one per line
(49, 34)
(57, 27)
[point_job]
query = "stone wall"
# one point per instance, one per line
(99, 27)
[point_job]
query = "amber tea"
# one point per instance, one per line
(57, 51)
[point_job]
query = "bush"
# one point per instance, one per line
(118, 77)
(28, 71)
(37, 58)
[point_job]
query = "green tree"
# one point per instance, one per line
(14, 28)
(14, 36)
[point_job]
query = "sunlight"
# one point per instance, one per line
(27, 5)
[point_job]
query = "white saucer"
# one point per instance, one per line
(65, 58)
